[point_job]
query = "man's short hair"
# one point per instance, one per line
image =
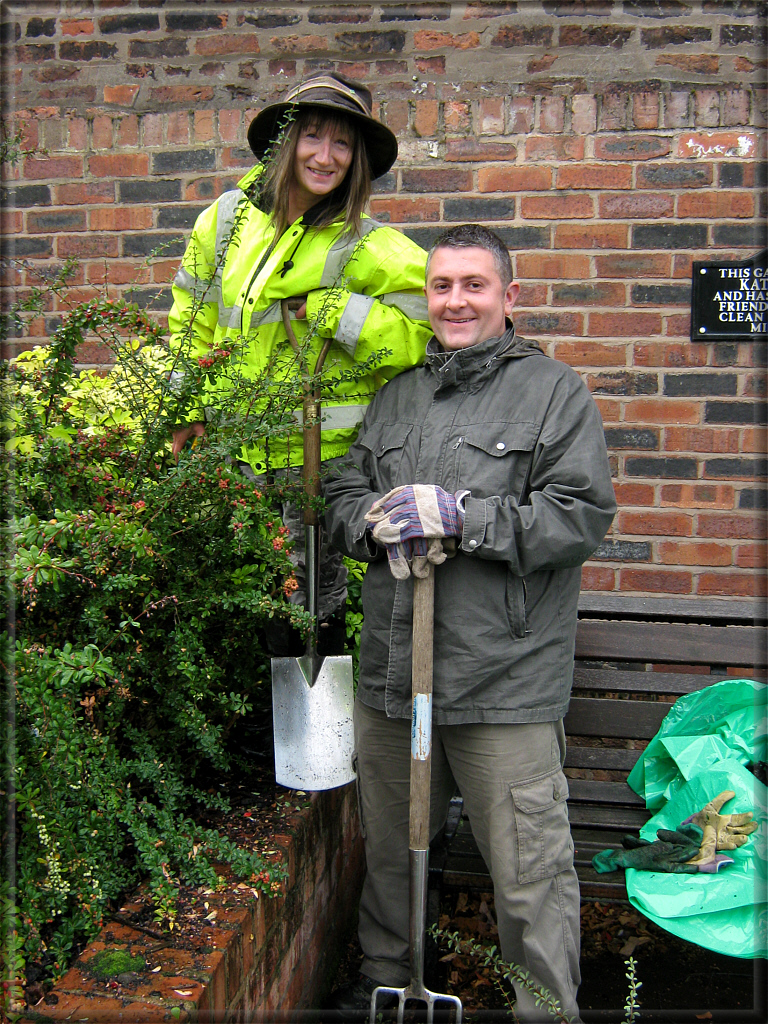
(465, 236)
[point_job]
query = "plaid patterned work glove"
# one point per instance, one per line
(411, 522)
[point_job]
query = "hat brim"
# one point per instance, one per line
(380, 143)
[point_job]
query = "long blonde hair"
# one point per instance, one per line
(349, 198)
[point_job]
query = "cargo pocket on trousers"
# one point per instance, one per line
(359, 795)
(544, 844)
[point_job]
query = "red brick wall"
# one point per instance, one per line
(610, 142)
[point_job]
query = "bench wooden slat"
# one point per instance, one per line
(629, 719)
(615, 819)
(625, 681)
(676, 642)
(598, 791)
(608, 758)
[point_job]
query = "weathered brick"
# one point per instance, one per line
(734, 412)
(171, 46)
(666, 354)
(644, 439)
(416, 12)
(591, 236)
(719, 468)
(84, 193)
(655, 581)
(56, 221)
(697, 553)
(41, 27)
(633, 265)
(85, 245)
(587, 293)
(124, 95)
(10, 32)
(28, 247)
(731, 584)
(636, 204)
(732, 525)
(521, 114)
(628, 494)
(677, 109)
(391, 41)
(740, 234)
(119, 219)
(470, 150)
(436, 179)
(697, 63)
(471, 210)
(556, 266)
(697, 495)
(91, 49)
(35, 53)
(118, 165)
(751, 556)
(674, 176)
(148, 191)
(660, 466)
(145, 244)
(189, 21)
(77, 27)
(36, 167)
(631, 147)
(403, 211)
(552, 114)
(661, 295)
(280, 18)
(557, 207)
(737, 35)
(707, 440)
(651, 410)
(701, 384)
(645, 109)
(627, 383)
(430, 65)
(613, 36)
(25, 195)
(598, 577)
(490, 115)
(175, 161)
(549, 323)
(716, 205)
(590, 353)
(753, 499)
(523, 35)
(623, 551)
(674, 35)
(669, 236)
(514, 179)
(594, 176)
(554, 147)
(134, 22)
(716, 145)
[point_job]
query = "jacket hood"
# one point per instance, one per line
(470, 366)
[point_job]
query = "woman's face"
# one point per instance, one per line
(323, 156)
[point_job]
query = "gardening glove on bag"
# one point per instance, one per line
(672, 852)
(413, 522)
(720, 831)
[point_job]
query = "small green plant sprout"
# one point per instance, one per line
(632, 1005)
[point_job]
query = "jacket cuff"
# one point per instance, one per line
(475, 522)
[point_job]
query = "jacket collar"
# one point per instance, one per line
(469, 367)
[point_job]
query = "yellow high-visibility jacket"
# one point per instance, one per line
(231, 283)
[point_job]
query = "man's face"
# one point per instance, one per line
(466, 300)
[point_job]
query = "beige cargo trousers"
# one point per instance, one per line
(514, 791)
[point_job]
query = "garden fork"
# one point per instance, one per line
(421, 771)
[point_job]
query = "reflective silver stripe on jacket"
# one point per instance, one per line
(352, 319)
(340, 252)
(198, 287)
(226, 212)
(336, 417)
(414, 306)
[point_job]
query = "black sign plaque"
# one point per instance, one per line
(729, 300)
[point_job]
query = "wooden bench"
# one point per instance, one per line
(634, 658)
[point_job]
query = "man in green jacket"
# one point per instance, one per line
(493, 450)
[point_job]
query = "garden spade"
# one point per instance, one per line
(421, 773)
(312, 696)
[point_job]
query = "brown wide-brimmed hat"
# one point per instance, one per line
(334, 93)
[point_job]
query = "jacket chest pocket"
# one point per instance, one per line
(387, 444)
(495, 458)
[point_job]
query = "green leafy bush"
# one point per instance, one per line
(141, 589)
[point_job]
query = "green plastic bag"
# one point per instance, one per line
(700, 750)
(725, 720)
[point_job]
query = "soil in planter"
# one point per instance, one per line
(680, 982)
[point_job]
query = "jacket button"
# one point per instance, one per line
(472, 544)
(501, 446)
(250, 302)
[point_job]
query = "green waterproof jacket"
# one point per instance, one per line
(365, 293)
(522, 433)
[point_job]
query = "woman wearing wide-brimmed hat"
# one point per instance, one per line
(296, 227)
